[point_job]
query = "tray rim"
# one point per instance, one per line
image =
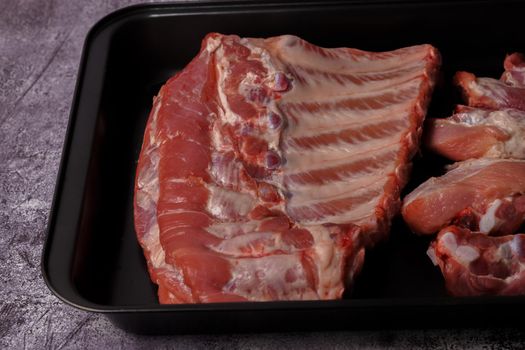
(194, 7)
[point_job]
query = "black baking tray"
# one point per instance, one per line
(91, 258)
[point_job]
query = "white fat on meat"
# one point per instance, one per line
(463, 253)
(513, 126)
(223, 70)
(512, 250)
(489, 221)
(283, 276)
(225, 204)
(511, 121)
(253, 244)
(431, 253)
(227, 230)
(516, 246)
(330, 262)
(481, 87)
(277, 277)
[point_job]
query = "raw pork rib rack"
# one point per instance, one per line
(269, 164)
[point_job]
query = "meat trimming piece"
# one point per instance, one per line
(476, 264)
(484, 194)
(493, 123)
(508, 92)
(479, 197)
(269, 164)
(478, 133)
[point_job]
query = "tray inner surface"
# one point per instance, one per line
(145, 50)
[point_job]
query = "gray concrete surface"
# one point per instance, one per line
(40, 46)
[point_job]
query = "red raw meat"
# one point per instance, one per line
(477, 133)
(475, 264)
(489, 93)
(508, 92)
(484, 195)
(514, 74)
(268, 164)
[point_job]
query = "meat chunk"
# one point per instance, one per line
(485, 195)
(508, 92)
(475, 264)
(514, 74)
(490, 93)
(477, 133)
(268, 164)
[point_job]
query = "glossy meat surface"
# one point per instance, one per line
(268, 165)
(477, 133)
(508, 92)
(482, 194)
(514, 74)
(475, 264)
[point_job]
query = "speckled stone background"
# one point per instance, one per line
(40, 46)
